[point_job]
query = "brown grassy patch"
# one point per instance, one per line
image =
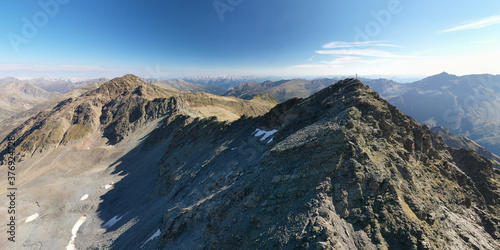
(76, 132)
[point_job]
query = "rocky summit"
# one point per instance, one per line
(341, 169)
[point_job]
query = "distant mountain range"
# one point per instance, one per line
(466, 105)
(51, 84)
(130, 165)
(282, 90)
(223, 81)
(18, 96)
(287, 89)
(186, 86)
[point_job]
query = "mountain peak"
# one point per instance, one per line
(126, 81)
(120, 85)
(130, 76)
(441, 76)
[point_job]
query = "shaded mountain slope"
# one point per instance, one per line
(460, 142)
(341, 169)
(467, 105)
(67, 156)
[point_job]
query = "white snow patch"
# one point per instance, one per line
(74, 230)
(270, 140)
(108, 186)
(266, 134)
(32, 218)
(84, 197)
(111, 222)
(157, 234)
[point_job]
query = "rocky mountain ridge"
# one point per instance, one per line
(464, 104)
(341, 169)
(119, 107)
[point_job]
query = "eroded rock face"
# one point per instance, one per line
(346, 170)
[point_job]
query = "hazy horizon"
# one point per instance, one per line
(399, 79)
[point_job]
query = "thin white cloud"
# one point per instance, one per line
(341, 44)
(346, 57)
(342, 62)
(463, 63)
(337, 61)
(362, 52)
(475, 24)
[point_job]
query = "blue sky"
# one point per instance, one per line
(176, 38)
